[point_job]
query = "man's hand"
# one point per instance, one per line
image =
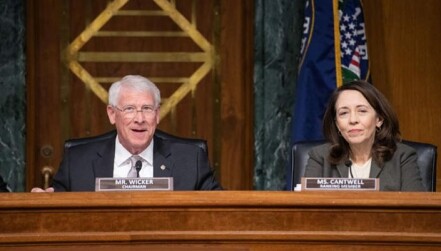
(40, 190)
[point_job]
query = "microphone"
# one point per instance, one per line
(348, 163)
(138, 166)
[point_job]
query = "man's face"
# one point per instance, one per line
(135, 129)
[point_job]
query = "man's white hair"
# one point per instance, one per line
(135, 82)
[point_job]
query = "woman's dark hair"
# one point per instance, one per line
(385, 138)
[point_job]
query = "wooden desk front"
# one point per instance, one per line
(225, 220)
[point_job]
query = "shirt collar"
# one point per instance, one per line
(122, 154)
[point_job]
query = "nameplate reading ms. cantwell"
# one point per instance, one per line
(369, 184)
(134, 184)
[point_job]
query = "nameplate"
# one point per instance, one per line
(134, 184)
(369, 184)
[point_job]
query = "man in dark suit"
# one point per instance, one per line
(133, 108)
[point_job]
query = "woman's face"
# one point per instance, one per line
(356, 119)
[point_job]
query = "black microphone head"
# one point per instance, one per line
(138, 165)
(348, 163)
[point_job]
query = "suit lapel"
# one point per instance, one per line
(375, 170)
(103, 164)
(343, 170)
(162, 164)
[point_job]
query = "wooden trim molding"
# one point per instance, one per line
(225, 220)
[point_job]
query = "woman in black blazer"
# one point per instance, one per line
(363, 137)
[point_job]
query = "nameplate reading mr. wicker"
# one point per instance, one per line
(134, 184)
(369, 184)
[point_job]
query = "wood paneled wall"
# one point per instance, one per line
(237, 106)
(171, 42)
(403, 42)
(405, 55)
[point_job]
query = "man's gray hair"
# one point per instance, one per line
(135, 82)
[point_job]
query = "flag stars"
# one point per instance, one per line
(351, 26)
(350, 37)
(344, 45)
(343, 27)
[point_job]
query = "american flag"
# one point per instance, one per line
(353, 42)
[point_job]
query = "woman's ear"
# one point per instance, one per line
(336, 125)
(379, 122)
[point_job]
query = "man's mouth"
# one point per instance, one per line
(139, 130)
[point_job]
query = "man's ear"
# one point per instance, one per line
(158, 113)
(111, 114)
